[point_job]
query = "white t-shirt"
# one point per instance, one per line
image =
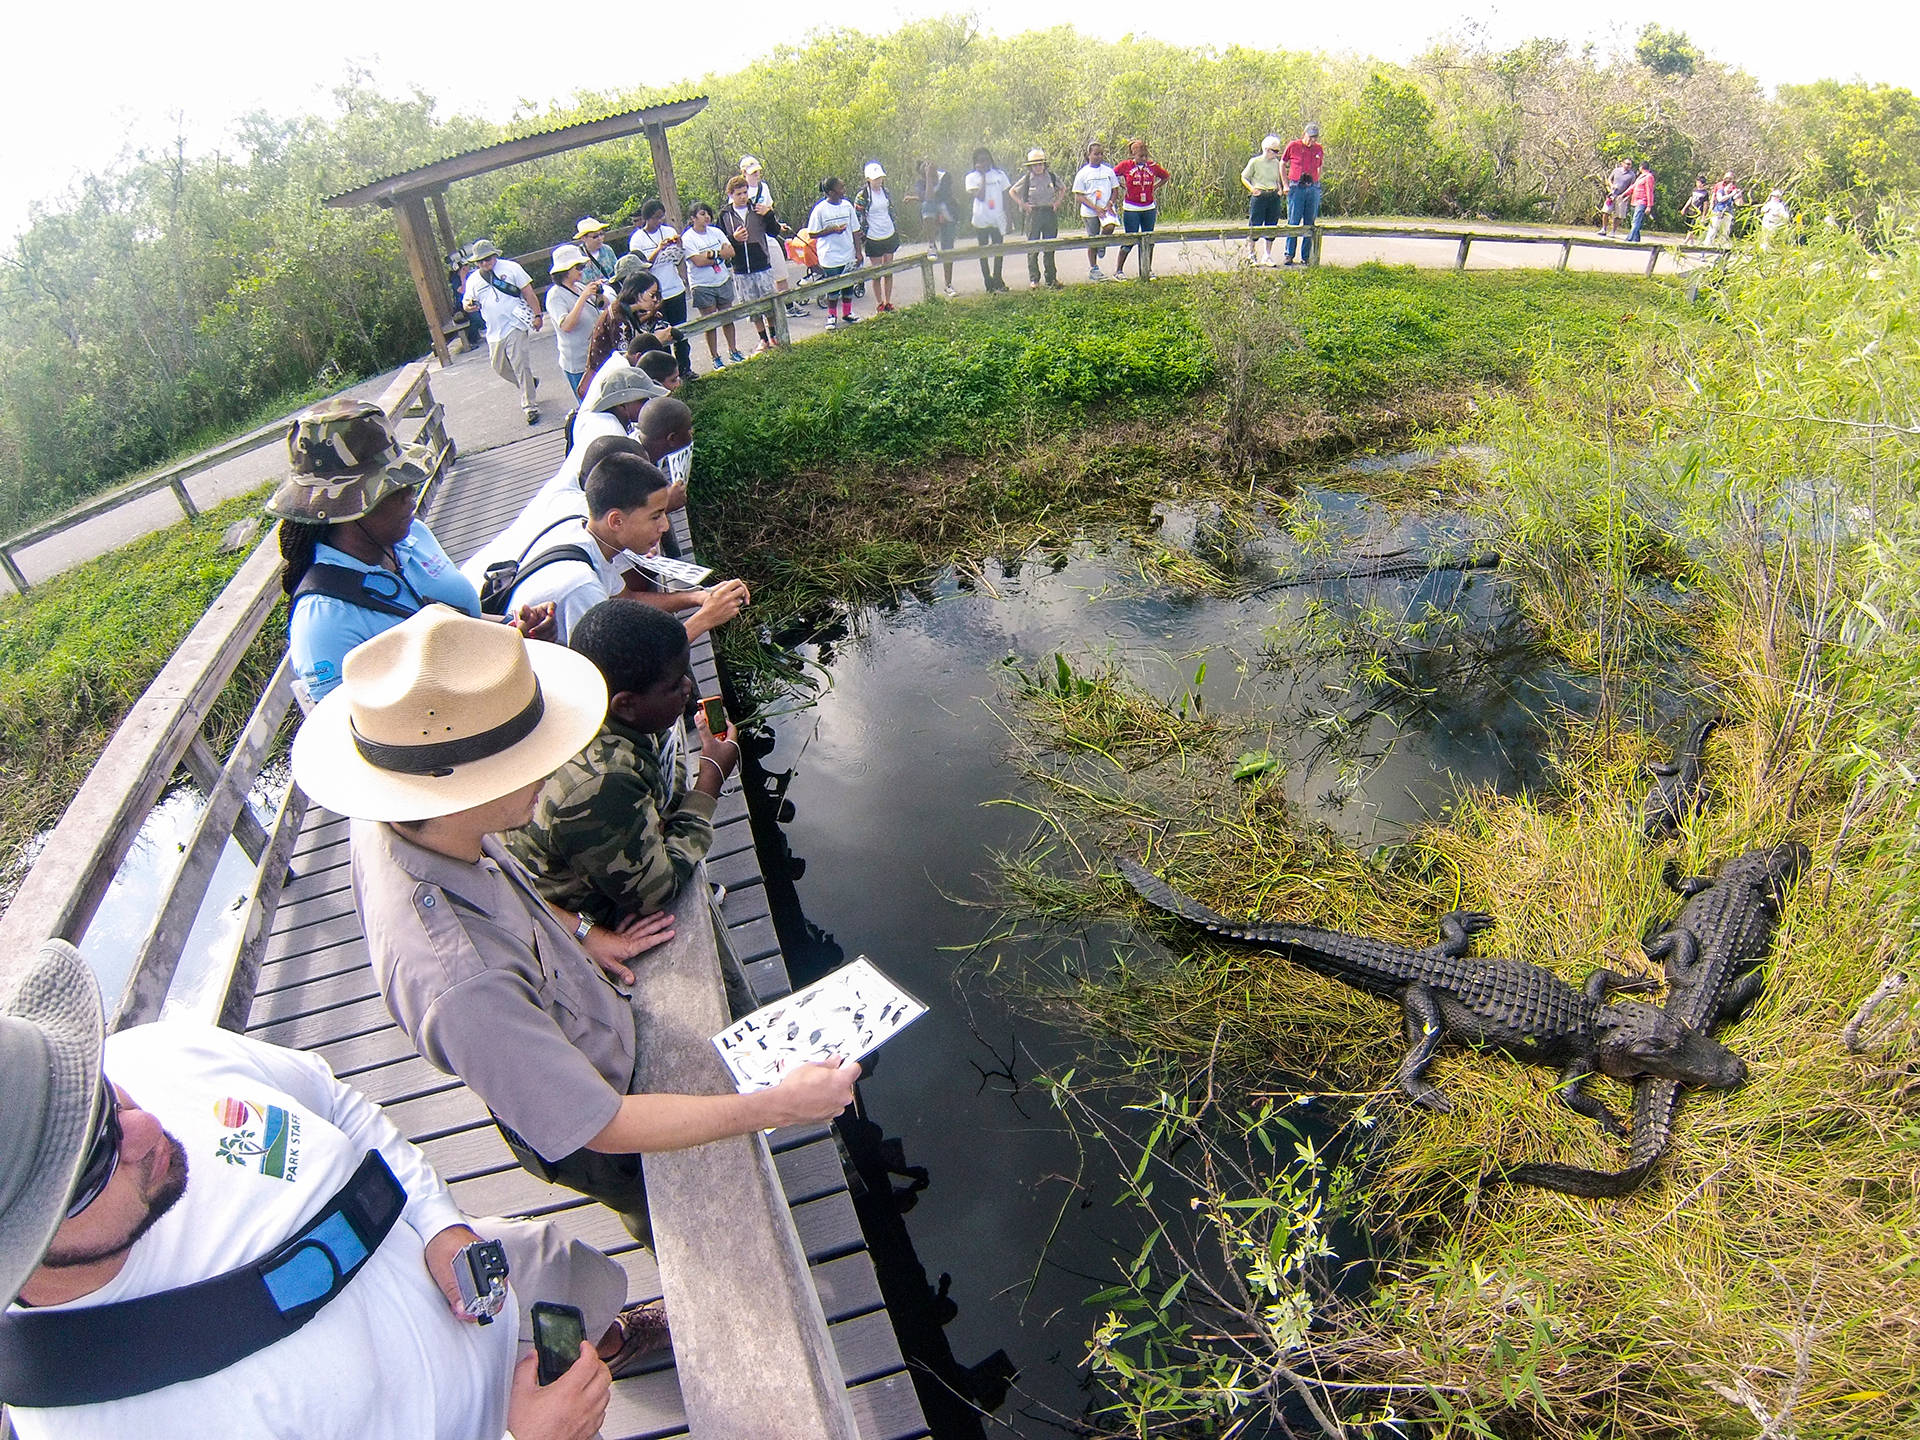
(269, 1136)
(574, 586)
(989, 192)
(663, 254)
(705, 267)
(573, 344)
(1774, 214)
(560, 496)
(1097, 183)
(837, 248)
(501, 311)
(879, 214)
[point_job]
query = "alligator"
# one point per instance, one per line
(1512, 1005)
(1710, 951)
(1676, 791)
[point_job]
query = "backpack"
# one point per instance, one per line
(339, 582)
(504, 576)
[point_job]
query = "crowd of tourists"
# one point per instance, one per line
(531, 787)
(1711, 208)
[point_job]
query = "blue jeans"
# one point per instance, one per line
(1303, 208)
(1639, 215)
(573, 379)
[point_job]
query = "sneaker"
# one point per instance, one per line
(1093, 273)
(833, 322)
(718, 363)
(951, 292)
(736, 358)
(849, 319)
(798, 309)
(765, 346)
(644, 1334)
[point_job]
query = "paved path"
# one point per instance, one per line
(483, 411)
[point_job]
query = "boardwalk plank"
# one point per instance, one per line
(313, 996)
(887, 1408)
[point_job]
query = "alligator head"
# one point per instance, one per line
(1638, 1039)
(1773, 869)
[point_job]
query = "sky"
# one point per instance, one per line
(125, 74)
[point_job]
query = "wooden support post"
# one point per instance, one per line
(449, 242)
(179, 488)
(1315, 240)
(12, 568)
(1566, 251)
(926, 275)
(739, 1286)
(1460, 255)
(1653, 259)
(410, 214)
(777, 312)
(663, 171)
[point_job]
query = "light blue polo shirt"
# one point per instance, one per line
(324, 629)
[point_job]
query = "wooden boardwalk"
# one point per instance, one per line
(317, 992)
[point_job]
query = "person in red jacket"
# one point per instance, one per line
(1301, 162)
(1641, 198)
(1140, 180)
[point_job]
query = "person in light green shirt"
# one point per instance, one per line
(1262, 177)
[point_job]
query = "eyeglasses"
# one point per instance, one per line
(103, 1157)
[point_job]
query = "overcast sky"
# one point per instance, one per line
(92, 83)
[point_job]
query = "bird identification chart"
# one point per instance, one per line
(850, 1013)
(680, 574)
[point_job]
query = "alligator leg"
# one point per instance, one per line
(1686, 887)
(1741, 994)
(1675, 951)
(1603, 982)
(1457, 929)
(1573, 1095)
(1425, 1031)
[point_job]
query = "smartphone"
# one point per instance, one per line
(558, 1332)
(716, 713)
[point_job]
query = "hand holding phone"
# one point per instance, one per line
(558, 1333)
(715, 710)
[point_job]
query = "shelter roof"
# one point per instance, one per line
(425, 179)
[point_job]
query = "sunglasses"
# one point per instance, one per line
(103, 1156)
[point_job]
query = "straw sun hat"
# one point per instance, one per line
(50, 1044)
(442, 713)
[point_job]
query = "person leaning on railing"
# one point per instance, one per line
(356, 560)
(438, 741)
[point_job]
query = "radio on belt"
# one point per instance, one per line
(480, 1270)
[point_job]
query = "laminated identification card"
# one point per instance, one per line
(676, 573)
(849, 1014)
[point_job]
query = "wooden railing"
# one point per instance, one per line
(925, 260)
(163, 733)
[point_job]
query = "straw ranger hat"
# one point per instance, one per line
(442, 713)
(1036, 155)
(51, 1035)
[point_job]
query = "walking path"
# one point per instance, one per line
(483, 412)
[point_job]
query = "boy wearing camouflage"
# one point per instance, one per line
(620, 827)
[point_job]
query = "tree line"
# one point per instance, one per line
(180, 292)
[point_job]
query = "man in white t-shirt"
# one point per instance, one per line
(501, 293)
(179, 1155)
(1095, 186)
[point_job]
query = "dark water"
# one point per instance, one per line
(884, 790)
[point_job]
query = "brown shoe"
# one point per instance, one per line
(644, 1337)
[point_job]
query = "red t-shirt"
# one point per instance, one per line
(1141, 178)
(1303, 160)
(1642, 191)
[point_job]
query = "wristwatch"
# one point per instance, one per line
(580, 931)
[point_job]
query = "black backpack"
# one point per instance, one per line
(504, 576)
(353, 586)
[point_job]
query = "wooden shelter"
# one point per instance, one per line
(408, 193)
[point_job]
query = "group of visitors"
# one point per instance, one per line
(1629, 198)
(528, 798)
(1289, 171)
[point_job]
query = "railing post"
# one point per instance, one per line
(1460, 255)
(13, 570)
(777, 312)
(1653, 259)
(179, 488)
(926, 274)
(1313, 241)
(1566, 250)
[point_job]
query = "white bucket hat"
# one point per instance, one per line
(51, 1036)
(567, 257)
(442, 713)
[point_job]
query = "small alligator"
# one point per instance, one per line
(1521, 1008)
(1710, 952)
(1676, 791)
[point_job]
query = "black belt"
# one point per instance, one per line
(95, 1353)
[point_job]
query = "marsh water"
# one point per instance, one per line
(881, 805)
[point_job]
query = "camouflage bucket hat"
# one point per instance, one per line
(324, 489)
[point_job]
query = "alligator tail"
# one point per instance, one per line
(1572, 1180)
(1162, 896)
(1697, 739)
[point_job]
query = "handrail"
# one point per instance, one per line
(62, 891)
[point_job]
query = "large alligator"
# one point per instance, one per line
(1711, 952)
(1676, 791)
(1529, 1012)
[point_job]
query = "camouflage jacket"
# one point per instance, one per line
(612, 836)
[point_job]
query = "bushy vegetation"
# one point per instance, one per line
(1739, 492)
(185, 292)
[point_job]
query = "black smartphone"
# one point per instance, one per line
(558, 1332)
(716, 712)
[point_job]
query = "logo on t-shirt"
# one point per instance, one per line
(265, 1137)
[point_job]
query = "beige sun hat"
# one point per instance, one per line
(589, 226)
(51, 1036)
(566, 257)
(442, 713)
(1036, 155)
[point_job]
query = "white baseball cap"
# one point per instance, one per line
(874, 171)
(748, 164)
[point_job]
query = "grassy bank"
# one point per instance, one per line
(979, 428)
(77, 651)
(1739, 498)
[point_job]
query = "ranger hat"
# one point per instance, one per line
(50, 1047)
(567, 257)
(344, 461)
(481, 250)
(444, 712)
(1035, 155)
(589, 226)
